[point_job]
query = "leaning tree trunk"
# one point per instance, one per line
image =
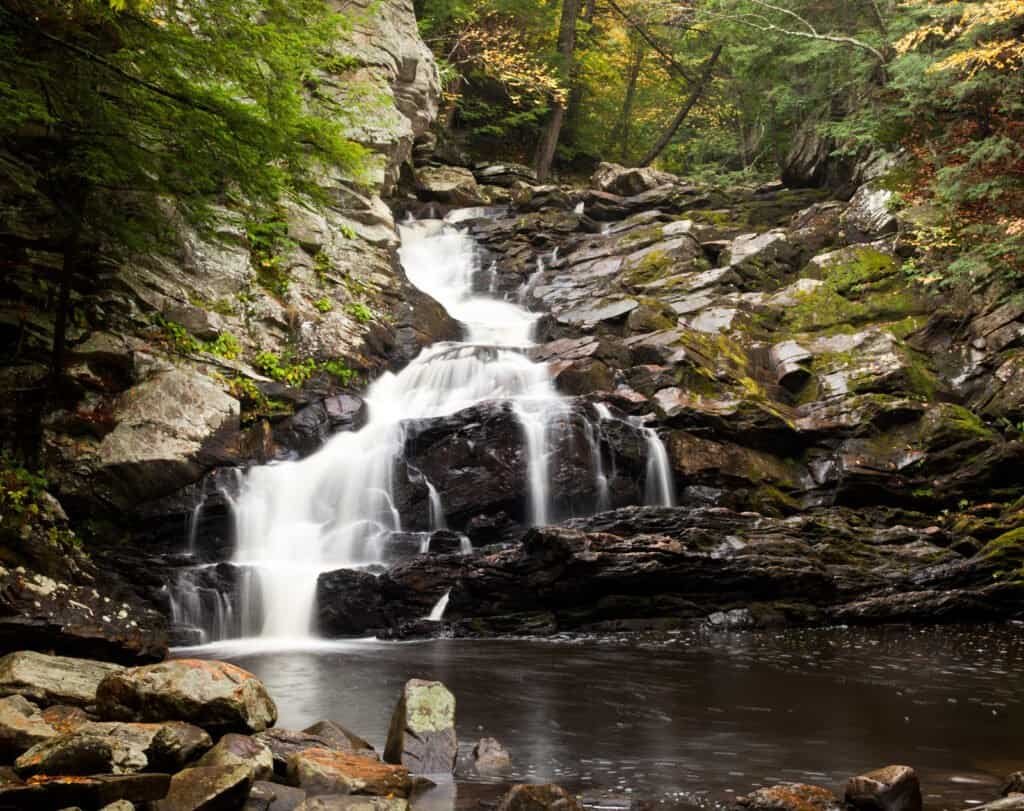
(691, 101)
(572, 116)
(566, 46)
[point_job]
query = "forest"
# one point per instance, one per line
(540, 405)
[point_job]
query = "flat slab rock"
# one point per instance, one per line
(47, 679)
(53, 793)
(216, 696)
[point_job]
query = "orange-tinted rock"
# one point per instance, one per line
(791, 797)
(327, 771)
(216, 696)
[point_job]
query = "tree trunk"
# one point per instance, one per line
(626, 121)
(566, 46)
(698, 91)
(572, 122)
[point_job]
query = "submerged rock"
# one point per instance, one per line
(893, 788)
(217, 696)
(422, 734)
(791, 797)
(490, 757)
(546, 797)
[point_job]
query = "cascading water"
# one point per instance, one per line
(334, 509)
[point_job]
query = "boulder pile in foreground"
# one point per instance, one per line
(196, 735)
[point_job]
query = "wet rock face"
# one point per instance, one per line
(422, 734)
(214, 695)
(71, 616)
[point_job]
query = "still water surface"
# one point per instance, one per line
(695, 720)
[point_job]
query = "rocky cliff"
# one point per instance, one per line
(179, 355)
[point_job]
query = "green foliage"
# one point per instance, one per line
(24, 511)
(360, 312)
(225, 345)
(283, 370)
(324, 304)
(339, 370)
(269, 244)
(196, 103)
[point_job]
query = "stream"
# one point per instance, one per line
(692, 720)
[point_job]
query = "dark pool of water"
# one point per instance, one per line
(698, 719)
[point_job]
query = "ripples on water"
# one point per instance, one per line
(692, 719)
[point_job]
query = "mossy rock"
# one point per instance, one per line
(1007, 553)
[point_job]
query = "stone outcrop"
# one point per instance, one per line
(546, 797)
(893, 788)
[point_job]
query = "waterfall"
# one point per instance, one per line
(297, 519)
(335, 509)
(437, 612)
(659, 488)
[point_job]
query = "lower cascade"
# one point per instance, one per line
(336, 509)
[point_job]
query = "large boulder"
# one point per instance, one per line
(208, 788)
(116, 748)
(422, 734)
(893, 788)
(53, 679)
(628, 181)
(447, 184)
(546, 797)
(217, 696)
(868, 216)
(161, 428)
(234, 749)
(327, 771)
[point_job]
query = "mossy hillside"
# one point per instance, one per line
(868, 288)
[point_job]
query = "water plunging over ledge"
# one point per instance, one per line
(336, 509)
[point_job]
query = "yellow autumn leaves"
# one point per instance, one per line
(998, 54)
